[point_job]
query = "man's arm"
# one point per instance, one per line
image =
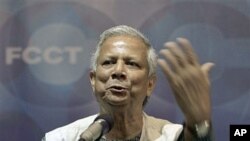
(189, 82)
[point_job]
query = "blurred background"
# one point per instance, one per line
(45, 49)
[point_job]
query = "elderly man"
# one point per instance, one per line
(123, 77)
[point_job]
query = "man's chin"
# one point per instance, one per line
(116, 100)
(117, 104)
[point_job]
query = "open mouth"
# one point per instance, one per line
(116, 95)
(117, 89)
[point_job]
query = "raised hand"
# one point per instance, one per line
(188, 79)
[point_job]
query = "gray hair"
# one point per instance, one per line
(129, 31)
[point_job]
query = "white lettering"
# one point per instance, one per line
(53, 55)
(35, 55)
(239, 132)
(29, 56)
(11, 54)
(73, 54)
(243, 131)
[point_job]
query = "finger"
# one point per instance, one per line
(177, 53)
(190, 54)
(171, 59)
(207, 67)
(166, 69)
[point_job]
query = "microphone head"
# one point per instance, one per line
(101, 125)
(108, 124)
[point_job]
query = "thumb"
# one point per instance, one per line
(207, 67)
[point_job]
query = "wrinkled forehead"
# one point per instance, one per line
(128, 48)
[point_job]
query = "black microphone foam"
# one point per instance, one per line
(101, 125)
(108, 124)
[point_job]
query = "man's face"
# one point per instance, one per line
(121, 76)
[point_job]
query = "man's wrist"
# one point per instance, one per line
(199, 130)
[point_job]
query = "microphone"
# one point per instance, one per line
(101, 125)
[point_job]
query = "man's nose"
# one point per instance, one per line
(119, 71)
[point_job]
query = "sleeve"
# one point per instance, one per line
(43, 139)
(52, 137)
(170, 132)
(59, 134)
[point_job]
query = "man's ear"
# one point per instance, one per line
(151, 85)
(92, 79)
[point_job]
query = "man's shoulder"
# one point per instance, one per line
(153, 121)
(72, 130)
(160, 129)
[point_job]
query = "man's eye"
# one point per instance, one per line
(134, 64)
(108, 62)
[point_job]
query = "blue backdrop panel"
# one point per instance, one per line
(45, 50)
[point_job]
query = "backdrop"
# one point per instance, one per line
(45, 49)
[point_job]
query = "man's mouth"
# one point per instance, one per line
(116, 94)
(117, 89)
